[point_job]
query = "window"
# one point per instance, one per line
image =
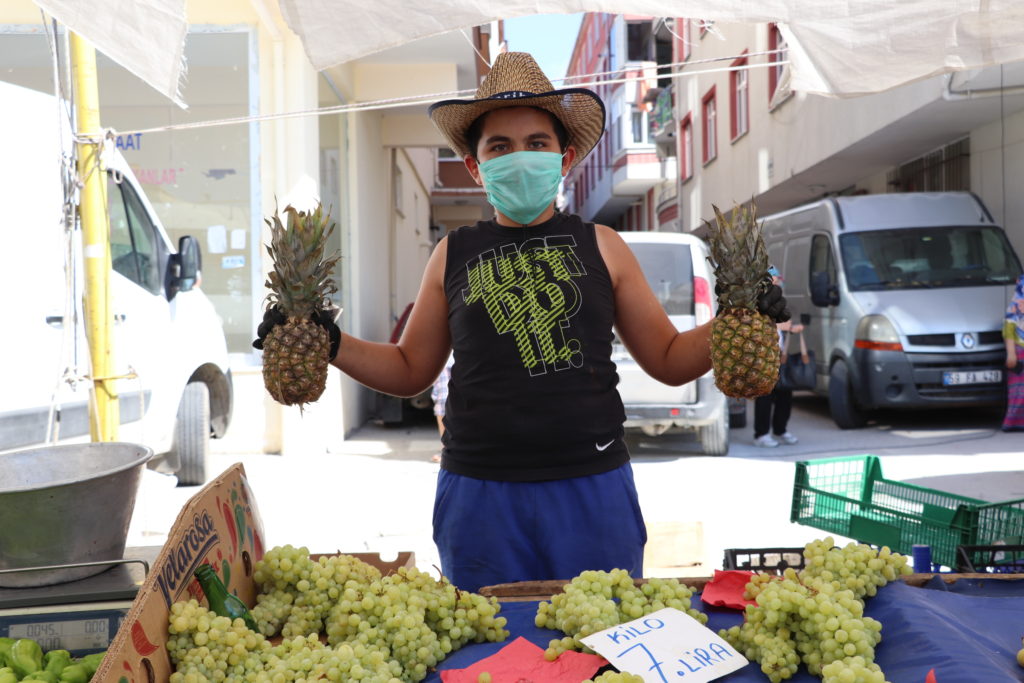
(710, 147)
(778, 81)
(739, 99)
(686, 140)
(639, 42)
(822, 260)
(639, 126)
(913, 258)
(669, 272)
(134, 251)
(683, 35)
(946, 169)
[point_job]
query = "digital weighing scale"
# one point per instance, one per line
(79, 616)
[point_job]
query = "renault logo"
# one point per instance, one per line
(967, 341)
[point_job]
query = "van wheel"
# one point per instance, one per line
(192, 434)
(841, 403)
(714, 437)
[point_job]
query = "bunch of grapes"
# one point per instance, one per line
(596, 600)
(296, 592)
(204, 646)
(415, 618)
(378, 629)
(816, 616)
(616, 677)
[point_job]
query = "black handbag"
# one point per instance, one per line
(798, 370)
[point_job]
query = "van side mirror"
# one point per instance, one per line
(189, 262)
(823, 293)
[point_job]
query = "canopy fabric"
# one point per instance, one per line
(147, 37)
(838, 48)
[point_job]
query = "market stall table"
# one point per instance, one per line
(967, 628)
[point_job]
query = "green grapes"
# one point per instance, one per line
(816, 616)
(391, 629)
(616, 677)
(596, 600)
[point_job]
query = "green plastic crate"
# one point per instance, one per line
(850, 497)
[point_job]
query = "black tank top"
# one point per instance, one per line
(532, 392)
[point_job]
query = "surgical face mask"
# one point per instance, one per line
(522, 184)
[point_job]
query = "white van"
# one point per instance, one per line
(677, 269)
(165, 332)
(903, 295)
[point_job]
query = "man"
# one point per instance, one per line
(535, 481)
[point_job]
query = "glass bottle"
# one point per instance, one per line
(221, 601)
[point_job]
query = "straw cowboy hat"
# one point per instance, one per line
(515, 80)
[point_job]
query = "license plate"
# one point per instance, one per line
(950, 379)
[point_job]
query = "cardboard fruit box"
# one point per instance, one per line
(221, 526)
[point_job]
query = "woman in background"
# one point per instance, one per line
(1013, 335)
(772, 411)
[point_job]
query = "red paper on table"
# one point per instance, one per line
(522, 659)
(725, 589)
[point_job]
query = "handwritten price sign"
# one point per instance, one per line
(665, 646)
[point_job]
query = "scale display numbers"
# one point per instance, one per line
(79, 631)
(80, 634)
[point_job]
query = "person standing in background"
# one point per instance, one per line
(771, 411)
(1013, 336)
(439, 394)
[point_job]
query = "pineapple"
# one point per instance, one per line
(295, 354)
(744, 342)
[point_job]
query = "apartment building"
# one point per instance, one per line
(741, 133)
(624, 183)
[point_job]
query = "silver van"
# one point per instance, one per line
(903, 295)
(677, 269)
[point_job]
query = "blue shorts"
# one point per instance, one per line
(490, 532)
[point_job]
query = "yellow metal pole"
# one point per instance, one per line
(104, 410)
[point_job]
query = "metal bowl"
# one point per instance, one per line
(66, 505)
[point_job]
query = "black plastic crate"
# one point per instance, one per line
(773, 560)
(990, 559)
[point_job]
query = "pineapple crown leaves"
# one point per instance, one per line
(739, 257)
(300, 281)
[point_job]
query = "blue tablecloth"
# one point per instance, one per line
(968, 631)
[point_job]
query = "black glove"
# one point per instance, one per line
(773, 304)
(325, 319)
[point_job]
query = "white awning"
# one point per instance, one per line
(837, 47)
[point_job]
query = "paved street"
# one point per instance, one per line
(377, 494)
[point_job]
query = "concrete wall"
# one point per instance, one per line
(997, 164)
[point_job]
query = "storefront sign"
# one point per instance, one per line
(667, 645)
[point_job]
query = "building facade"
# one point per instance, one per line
(623, 183)
(742, 134)
(378, 170)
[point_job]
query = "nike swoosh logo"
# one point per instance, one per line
(601, 448)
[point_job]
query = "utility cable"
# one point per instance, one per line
(390, 103)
